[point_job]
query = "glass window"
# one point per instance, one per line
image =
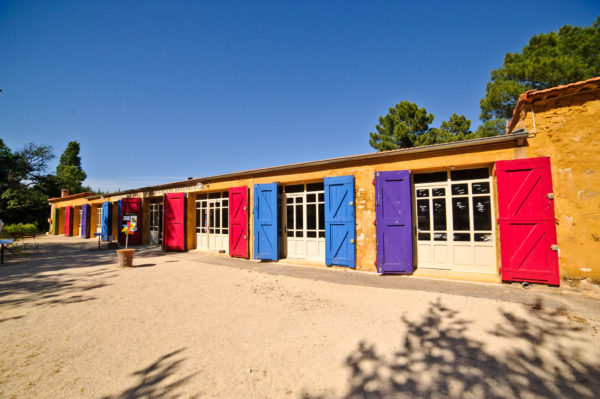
(321, 197)
(438, 192)
(321, 217)
(470, 174)
(430, 177)
(460, 214)
(225, 218)
(481, 188)
(460, 189)
(311, 234)
(483, 237)
(462, 237)
(311, 216)
(311, 197)
(299, 233)
(298, 188)
(290, 217)
(423, 215)
(424, 236)
(214, 195)
(439, 214)
(315, 187)
(482, 214)
(299, 221)
(422, 193)
(440, 237)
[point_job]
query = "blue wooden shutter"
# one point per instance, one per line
(265, 222)
(106, 220)
(393, 211)
(340, 221)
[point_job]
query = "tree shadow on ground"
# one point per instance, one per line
(157, 380)
(52, 288)
(437, 359)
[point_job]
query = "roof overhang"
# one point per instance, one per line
(517, 137)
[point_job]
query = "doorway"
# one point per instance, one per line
(156, 217)
(304, 222)
(212, 222)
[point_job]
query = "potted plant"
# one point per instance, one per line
(125, 256)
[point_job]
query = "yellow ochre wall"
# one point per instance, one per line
(567, 129)
(364, 173)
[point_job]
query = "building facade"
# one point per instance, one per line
(519, 207)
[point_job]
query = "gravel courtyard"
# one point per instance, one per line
(183, 325)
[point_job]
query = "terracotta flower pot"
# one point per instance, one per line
(125, 257)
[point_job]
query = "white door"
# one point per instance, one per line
(99, 219)
(304, 222)
(212, 222)
(454, 221)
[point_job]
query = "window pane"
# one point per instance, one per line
(315, 187)
(470, 174)
(311, 234)
(321, 217)
(225, 203)
(212, 218)
(214, 195)
(290, 233)
(460, 214)
(440, 237)
(422, 193)
(460, 189)
(424, 236)
(311, 216)
(217, 218)
(482, 213)
(321, 197)
(311, 197)
(483, 237)
(439, 214)
(225, 231)
(290, 217)
(423, 215)
(299, 200)
(481, 188)
(321, 234)
(430, 177)
(289, 200)
(299, 233)
(298, 188)
(225, 218)
(299, 221)
(462, 237)
(438, 192)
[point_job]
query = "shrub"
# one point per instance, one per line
(27, 229)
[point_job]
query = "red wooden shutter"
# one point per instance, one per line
(526, 215)
(132, 206)
(174, 222)
(238, 222)
(69, 221)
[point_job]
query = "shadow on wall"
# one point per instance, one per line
(437, 360)
(158, 381)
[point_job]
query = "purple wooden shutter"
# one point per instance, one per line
(393, 213)
(85, 221)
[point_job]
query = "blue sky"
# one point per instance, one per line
(162, 91)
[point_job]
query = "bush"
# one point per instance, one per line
(27, 229)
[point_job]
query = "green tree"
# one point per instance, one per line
(493, 127)
(23, 184)
(549, 59)
(401, 127)
(69, 173)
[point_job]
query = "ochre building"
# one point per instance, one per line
(524, 206)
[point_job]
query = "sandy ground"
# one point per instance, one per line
(72, 325)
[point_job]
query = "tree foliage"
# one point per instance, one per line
(69, 173)
(401, 127)
(24, 187)
(407, 125)
(549, 59)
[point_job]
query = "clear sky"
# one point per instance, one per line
(162, 91)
